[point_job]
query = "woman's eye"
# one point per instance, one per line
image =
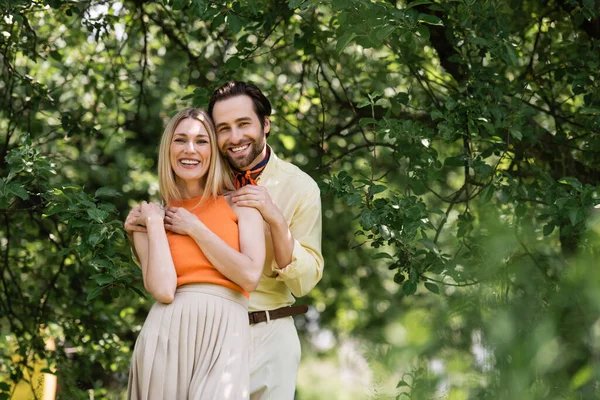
(180, 140)
(201, 141)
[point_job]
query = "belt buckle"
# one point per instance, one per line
(268, 317)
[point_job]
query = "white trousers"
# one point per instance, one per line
(274, 359)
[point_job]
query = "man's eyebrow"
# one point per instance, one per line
(241, 119)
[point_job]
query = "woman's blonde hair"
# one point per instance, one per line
(218, 179)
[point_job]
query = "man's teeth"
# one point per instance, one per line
(239, 148)
(189, 162)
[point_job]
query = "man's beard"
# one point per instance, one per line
(241, 163)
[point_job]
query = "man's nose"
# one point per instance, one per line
(236, 135)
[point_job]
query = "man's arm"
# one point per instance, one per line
(132, 224)
(305, 268)
(297, 247)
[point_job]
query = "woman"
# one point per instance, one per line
(200, 258)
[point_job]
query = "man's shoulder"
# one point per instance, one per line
(296, 176)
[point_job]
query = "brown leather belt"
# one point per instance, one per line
(266, 316)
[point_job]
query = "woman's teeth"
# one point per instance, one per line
(190, 162)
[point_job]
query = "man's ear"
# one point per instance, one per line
(267, 128)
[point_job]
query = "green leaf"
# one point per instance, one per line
(198, 8)
(432, 287)
(576, 215)
(430, 19)
(56, 55)
(343, 41)
(363, 103)
(18, 191)
(570, 181)
(409, 287)
(179, 4)
(338, 5)
(590, 110)
(436, 114)
(455, 161)
(94, 238)
(377, 189)
(418, 3)
(424, 32)
(353, 199)
(584, 375)
(106, 191)
(429, 244)
(233, 63)
(295, 4)
(503, 196)
(548, 228)
(515, 133)
(367, 121)
(402, 384)
(383, 102)
(479, 41)
(101, 279)
(384, 31)
(94, 293)
(97, 214)
(381, 255)
(235, 23)
(402, 98)
(511, 52)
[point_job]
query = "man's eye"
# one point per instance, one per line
(243, 124)
(223, 130)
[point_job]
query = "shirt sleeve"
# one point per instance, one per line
(306, 268)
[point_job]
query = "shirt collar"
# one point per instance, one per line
(271, 167)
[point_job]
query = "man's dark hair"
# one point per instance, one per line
(262, 106)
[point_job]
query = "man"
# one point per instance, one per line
(290, 204)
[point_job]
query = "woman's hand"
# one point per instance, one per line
(150, 212)
(180, 221)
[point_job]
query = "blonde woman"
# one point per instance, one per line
(201, 256)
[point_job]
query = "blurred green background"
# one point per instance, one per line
(455, 143)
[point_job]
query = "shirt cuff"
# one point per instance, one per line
(290, 271)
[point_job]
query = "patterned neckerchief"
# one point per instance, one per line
(243, 178)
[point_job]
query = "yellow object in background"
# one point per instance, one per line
(36, 384)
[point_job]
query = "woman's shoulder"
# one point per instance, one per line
(240, 212)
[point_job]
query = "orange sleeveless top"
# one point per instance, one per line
(191, 264)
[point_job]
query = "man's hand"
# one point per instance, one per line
(151, 212)
(180, 221)
(259, 198)
(133, 222)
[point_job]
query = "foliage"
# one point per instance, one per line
(454, 142)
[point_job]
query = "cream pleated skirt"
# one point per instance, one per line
(195, 348)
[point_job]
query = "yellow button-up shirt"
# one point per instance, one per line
(298, 198)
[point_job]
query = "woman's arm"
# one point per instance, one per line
(160, 278)
(244, 267)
